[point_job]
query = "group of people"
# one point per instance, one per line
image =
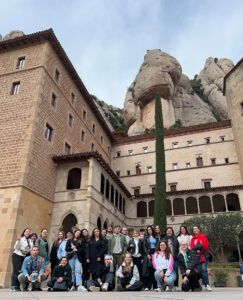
(110, 259)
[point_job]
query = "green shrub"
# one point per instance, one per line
(220, 276)
(232, 258)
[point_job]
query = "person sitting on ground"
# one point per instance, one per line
(128, 276)
(189, 264)
(33, 271)
(163, 264)
(61, 279)
(105, 278)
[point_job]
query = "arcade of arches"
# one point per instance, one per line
(192, 205)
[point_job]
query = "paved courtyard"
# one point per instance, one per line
(219, 294)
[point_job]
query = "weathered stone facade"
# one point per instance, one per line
(35, 173)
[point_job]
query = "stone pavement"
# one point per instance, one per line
(216, 294)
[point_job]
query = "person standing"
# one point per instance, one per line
(117, 247)
(197, 239)
(43, 245)
(189, 264)
(61, 252)
(53, 256)
(163, 264)
(184, 236)
(158, 233)
(22, 249)
(95, 252)
(125, 233)
(85, 238)
(173, 244)
(103, 236)
(76, 253)
(135, 247)
(149, 246)
(33, 237)
(33, 270)
(109, 232)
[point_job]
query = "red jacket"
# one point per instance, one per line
(201, 239)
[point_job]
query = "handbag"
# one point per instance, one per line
(60, 286)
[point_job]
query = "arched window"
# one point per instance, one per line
(116, 198)
(99, 223)
(168, 208)
(74, 179)
(141, 209)
(191, 205)
(178, 205)
(218, 203)
(205, 204)
(112, 194)
(102, 184)
(105, 224)
(107, 189)
(69, 221)
(124, 206)
(233, 202)
(151, 208)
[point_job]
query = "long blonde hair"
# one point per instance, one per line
(128, 268)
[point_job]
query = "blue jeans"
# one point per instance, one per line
(76, 267)
(170, 280)
(205, 273)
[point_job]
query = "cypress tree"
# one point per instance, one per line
(160, 190)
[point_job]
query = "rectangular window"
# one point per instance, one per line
(92, 147)
(130, 152)
(53, 100)
(153, 190)
(226, 160)
(188, 165)
(199, 161)
(136, 192)
(93, 128)
(101, 140)
(57, 76)
(173, 187)
(149, 169)
(48, 132)
(189, 143)
(175, 166)
(213, 161)
(138, 169)
(67, 149)
(221, 138)
(175, 145)
(128, 173)
(118, 154)
(145, 149)
(83, 136)
(112, 194)
(118, 173)
(70, 120)
(84, 115)
(207, 140)
(72, 98)
(15, 88)
(20, 63)
(207, 184)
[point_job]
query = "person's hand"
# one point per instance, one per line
(101, 283)
(161, 274)
(75, 249)
(188, 272)
(98, 259)
(132, 245)
(148, 256)
(19, 237)
(39, 279)
(121, 275)
(60, 279)
(165, 279)
(185, 279)
(29, 278)
(128, 286)
(198, 252)
(88, 260)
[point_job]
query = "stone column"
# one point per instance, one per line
(172, 207)
(185, 205)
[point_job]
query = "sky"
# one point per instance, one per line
(106, 40)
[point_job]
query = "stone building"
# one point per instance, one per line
(61, 165)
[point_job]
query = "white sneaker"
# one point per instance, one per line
(177, 289)
(158, 290)
(208, 288)
(104, 287)
(81, 288)
(94, 289)
(146, 289)
(203, 287)
(72, 289)
(168, 289)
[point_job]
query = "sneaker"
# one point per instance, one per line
(81, 288)
(37, 289)
(94, 289)
(208, 288)
(73, 289)
(158, 290)
(104, 287)
(168, 289)
(146, 289)
(119, 288)
(204, 288)
(15, 289)
(49, 289)
(177, 289)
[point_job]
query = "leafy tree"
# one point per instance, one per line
(178, 124)
(160, 191)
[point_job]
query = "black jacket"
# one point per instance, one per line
(94, 250)
(146, 245)
(64, 272)
(80, 247)
(175, 244)
(132, 249)
(103, 271)
(194, 262)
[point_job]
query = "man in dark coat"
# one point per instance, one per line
(189, 264)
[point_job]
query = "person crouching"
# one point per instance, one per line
(128, 276)
(61, 279)
(105, 278)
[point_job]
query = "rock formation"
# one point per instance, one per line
(162, 73)
(13, 34)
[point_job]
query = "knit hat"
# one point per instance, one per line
(108, 256)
